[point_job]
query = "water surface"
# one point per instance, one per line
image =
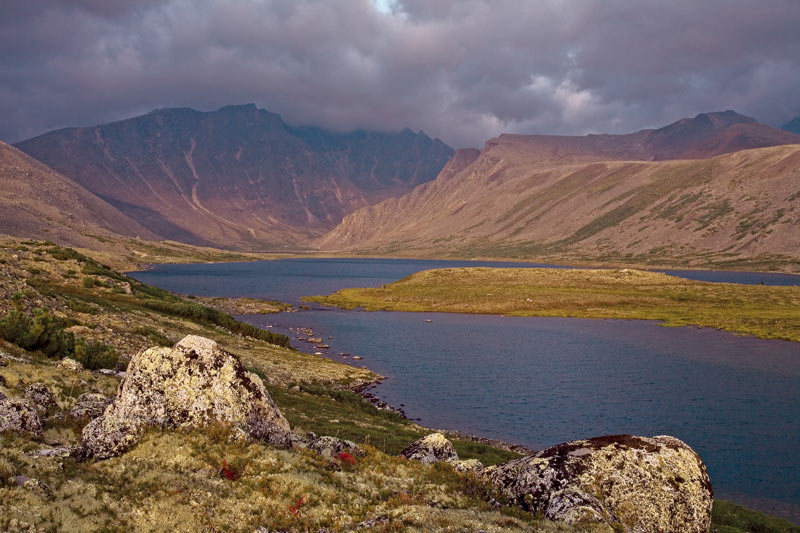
(541, 381)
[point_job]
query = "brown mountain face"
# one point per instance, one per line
(37, 202)
(238, 177)
(646, 197)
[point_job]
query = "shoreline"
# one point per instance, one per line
(363, 390)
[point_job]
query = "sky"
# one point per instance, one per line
(463, 71)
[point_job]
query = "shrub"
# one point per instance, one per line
(63, 254)
(46, 334)
(43, 333)
(81, 307)
(94, 355)
(154, 335)
(71, 273)
(88, 282)
(199, 313)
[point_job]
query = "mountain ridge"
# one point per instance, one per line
(590, 198)
(238, 177)
(38, 202)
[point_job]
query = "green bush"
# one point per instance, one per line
(81, 307)
(154, 335)
(71, 273)
(63, 254)
(728, 517)
(207, 315)
(88, 282)
(46, 334)
(43, 333)
(94, 355)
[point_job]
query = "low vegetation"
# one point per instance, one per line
(764, 311)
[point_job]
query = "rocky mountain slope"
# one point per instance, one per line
(36, 201)
(237, 178)
(716, 189)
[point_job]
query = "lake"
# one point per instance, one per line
(541, 381)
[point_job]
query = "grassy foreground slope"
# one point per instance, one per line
(763, 311)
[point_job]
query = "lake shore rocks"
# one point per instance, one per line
(629, 483)
(192, 384)
(433, 448)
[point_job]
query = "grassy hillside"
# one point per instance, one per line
(763, 311)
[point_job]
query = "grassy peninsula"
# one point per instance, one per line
(764, 311)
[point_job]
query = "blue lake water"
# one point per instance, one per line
(541, 381)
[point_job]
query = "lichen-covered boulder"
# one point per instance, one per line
(19, 416)
(192, 384)
(41, 398)
(333, 447)
(431, 448)
(633, 484)
(90, 405)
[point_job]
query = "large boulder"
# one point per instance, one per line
(433, 448)
(19, 416)
(192, 384)
(633, 484)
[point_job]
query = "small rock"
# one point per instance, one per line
(19, 416)
(70, 364)
(432, 448)
(331, 447)
(90, 405)
(110, 372)
(41, 398)
(34, 485)
(60, 451)
(372, 522)
(467, 465)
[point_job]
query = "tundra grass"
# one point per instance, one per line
(763, 311)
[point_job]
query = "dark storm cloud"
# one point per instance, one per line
(460, 70)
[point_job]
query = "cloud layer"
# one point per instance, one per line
(462, 70)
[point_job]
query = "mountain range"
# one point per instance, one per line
(719, 187)
(238, 177)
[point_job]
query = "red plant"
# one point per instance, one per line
(294, 510)
(347, 458)
(227, 472)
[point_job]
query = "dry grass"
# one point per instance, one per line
(763, 311)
